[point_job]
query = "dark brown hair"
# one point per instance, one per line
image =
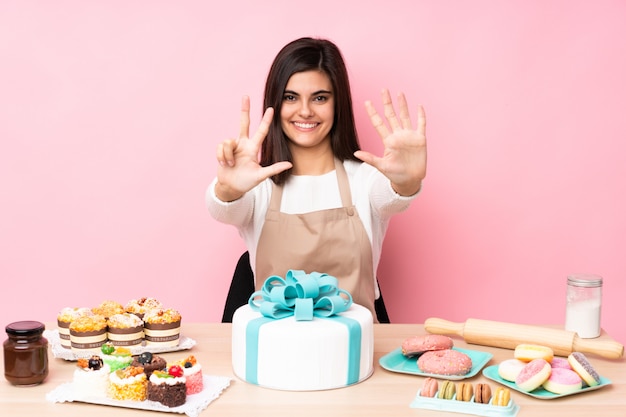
(306, 54)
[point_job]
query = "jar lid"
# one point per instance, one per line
(25, 328)
(585, 280)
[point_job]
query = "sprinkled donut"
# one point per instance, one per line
(445, 362)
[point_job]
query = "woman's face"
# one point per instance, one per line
(308, 109)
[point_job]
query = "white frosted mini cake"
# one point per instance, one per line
(325, 351)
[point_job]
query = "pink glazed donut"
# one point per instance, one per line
(533, 375)
(416, 345)
(445, 362)
(563, 381)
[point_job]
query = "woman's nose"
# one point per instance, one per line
(305, 109)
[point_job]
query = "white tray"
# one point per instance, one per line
(58, 351)
(213, 387)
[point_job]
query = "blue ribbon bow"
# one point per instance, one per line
(300, 295)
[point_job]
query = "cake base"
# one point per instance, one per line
(320, 354)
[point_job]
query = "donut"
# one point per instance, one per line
(464, 391)
(501, 397)
(560, 363)
(445, 362)
(563, 381)
(510, 369)
(447, 390)
(430, 387)
(416, 345)
(482, 394)
(527, 352)
(582, 367)
(533, 374)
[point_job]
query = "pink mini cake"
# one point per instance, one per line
(162, 327)
(125, 329)
(141, 306)
(193, 373)
(65, 318)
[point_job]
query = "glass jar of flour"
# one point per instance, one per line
(584, 305)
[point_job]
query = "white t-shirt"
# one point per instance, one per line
(374, 199)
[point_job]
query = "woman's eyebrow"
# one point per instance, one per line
(316, 93)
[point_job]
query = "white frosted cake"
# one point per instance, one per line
(318, 354)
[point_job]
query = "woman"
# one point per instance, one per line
(313, 200)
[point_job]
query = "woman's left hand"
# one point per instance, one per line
(404, 158)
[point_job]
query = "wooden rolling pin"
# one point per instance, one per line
(509, 335)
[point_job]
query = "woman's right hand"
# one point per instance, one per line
(239, 170)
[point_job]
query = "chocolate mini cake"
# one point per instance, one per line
(149, 362)
(168, 387)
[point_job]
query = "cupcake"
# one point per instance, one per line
(193, 373)
(140, 306)
(125, 329)
(108, 308)
(162, 327)
(149, 362)
(115, 356)
(65, 318)
(88, 333)
(91, 377)
(168, 387)
(128, 384)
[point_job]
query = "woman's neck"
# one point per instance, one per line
(313, 163)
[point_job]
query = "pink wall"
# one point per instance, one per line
(110, 113)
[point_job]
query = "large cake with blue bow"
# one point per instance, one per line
(302, 333)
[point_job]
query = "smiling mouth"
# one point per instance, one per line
(305, 125)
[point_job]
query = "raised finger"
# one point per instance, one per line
(244, 118)
(405, 118)
(264, 126)
(376, 120)
(421, 120)
(390, 112)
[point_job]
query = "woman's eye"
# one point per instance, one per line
(320, 99)
(289, 97)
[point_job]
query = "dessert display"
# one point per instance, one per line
(149, 362)
(88, 333)
(125, 329)
(162, 327)
(115, 357)
(65, 318)
(316, 340)
(91, 377)
(541, 378)
(129, 383)
(168, 387)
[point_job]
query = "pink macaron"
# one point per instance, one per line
(563, 381)
(430, 387)
(533, 375)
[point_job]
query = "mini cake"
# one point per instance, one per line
(193, 373)
(168, 387)
(162, 327)
(91, 377)
(108, 308)
(65, 318)
(140, 306)
(149, 362)
(116, 357)
(88, 333)
(125, 329)
(129, 383)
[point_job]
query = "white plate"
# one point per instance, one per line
(58, 351)
(213, 387)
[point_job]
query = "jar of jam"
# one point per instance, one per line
(25, 353)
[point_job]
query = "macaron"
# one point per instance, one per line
(527, 352)
(430, 387)
(583, 367)
(533, 375)
(447, 390)
(482, 394)
(501, 397)
(464, 391)
(563, 381)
